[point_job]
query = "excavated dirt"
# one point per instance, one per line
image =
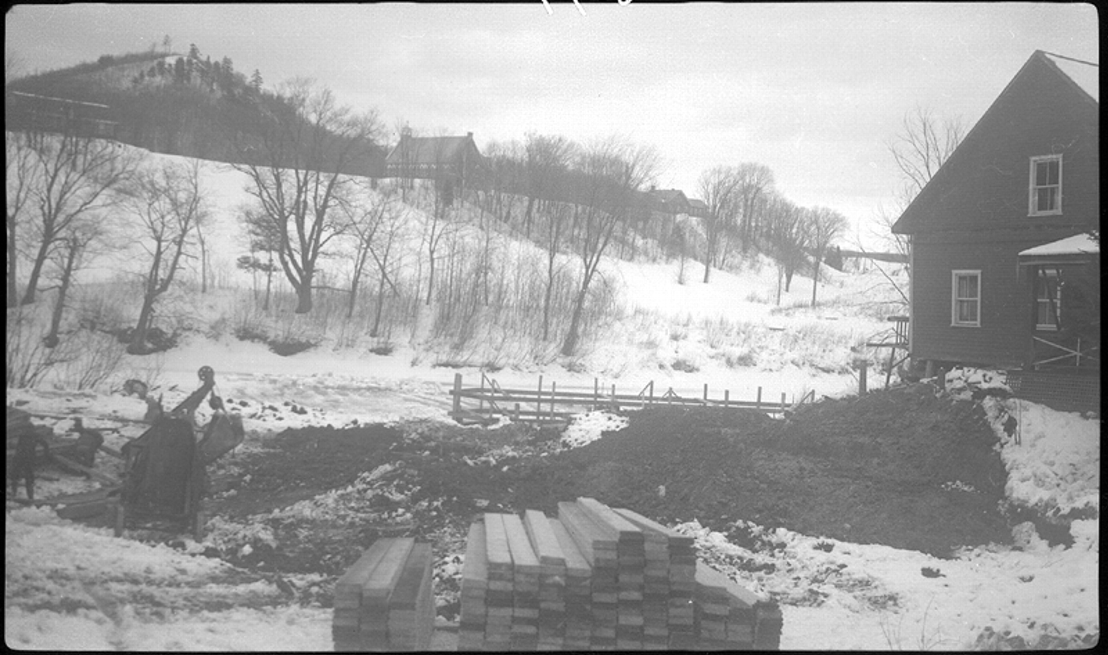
(904, 467)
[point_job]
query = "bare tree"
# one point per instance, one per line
(22, 179)
(264, 237)
(717, 188)
(922, 146)
(366, 215)
(788, 235)
(544, 158)
(81, 238)
(825, 225)
(74, 176)
(611, 171)
(442, 193)
(168, 204)
(298, 169)
(752, 182)
(388, 234)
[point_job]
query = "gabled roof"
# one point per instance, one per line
(1081, 75)
(668, 195)
(1086, 75)
(698, 204)
(428, 150)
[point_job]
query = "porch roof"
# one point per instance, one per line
(1076, 248)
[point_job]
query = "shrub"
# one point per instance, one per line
(685, 366)
(290, 346)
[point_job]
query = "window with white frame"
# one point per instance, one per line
(1045, 196)
(1048, 299)
(965, 310)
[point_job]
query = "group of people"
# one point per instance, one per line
(27, 445)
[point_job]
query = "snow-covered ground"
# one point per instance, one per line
(69, 586)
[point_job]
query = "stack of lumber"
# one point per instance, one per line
(597, 578)
(384, 601)
(729, 617)
(669, 583)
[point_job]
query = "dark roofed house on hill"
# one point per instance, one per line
(452, 161)
(1004, 271)
(670, 201)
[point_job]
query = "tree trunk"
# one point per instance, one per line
(380, 306)
(51, 339)
(268, 282)
(304, 295)
(430, 278)
(573, 336)
(13, 286)
(815, 280)
(138, 339)
(36, 272)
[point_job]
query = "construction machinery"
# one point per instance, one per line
(164, 473)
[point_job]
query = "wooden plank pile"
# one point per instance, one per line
(384, 601)
(597, 578)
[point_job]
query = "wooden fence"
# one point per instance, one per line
(551, 406)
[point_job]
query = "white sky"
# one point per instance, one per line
(814, 91)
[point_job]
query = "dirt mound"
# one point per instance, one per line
(902, 467)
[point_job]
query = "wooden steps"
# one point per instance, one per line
(597, 578)
(384, 601)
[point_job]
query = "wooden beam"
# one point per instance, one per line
(65, 462)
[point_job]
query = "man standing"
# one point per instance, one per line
(26, 448)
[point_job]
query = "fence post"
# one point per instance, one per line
(726, 397)
(595, 393)
(517, 412)
(782, 401)
(705, 392)
(553, 397)
(481, 402)
(457, 395)
(862, 366)
(538, 400)
(652, 392)
(758, 403)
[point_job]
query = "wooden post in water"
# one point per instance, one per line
(862, 366)
(705, 392)
(726, 397)
(758, 403)
(457, 395)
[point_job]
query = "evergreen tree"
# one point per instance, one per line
(256, 80)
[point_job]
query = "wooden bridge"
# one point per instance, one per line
(555, 407)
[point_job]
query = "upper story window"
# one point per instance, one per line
(965, 299)
(1045, 197)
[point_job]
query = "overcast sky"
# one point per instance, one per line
(814, 91)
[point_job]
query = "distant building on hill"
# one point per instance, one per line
(450, 161)
(39, 113)
(1005, 237)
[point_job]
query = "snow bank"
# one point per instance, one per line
(1052, 457)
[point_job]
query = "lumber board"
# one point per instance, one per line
(498, 554)
(380, 583)
(543, 539)
(524, 561)
(475, 570)
(626, 532)
(586, 534)
(349, 585)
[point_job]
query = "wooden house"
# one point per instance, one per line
(698, 208)
(1004, 273)
(450, 161)
(669, 201)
